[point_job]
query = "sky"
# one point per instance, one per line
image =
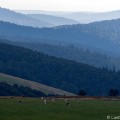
(62, 5)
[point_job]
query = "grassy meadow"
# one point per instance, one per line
(34, 109)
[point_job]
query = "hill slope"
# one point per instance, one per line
(33, 85)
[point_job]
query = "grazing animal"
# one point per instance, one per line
(19, 101)
(53, 100)
(78, 101)
(66, 100)
(42, 98)
(45, 102)
(68, 104)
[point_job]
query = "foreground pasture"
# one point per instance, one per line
(35, 109)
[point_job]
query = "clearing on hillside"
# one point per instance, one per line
(33, 85)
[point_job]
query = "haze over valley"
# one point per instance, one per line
(66, 50)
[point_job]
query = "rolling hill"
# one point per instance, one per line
(20, 19)
(33, 85)
(71, 52)
(98, 37)
(34, 20)
(54, 20)
(89, 17)
(81, 17)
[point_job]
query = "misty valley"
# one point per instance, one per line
(61, 51)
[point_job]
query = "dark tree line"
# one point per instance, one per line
(15, 90)
(112, 93)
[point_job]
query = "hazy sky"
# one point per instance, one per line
(62, 5)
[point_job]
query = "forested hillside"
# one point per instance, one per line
(71, 52)
(60, 73)
(99, 36)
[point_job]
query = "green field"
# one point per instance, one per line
(34, 109)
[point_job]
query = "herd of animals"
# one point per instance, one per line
(53, 100)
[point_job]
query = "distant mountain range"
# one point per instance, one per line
(89, 17)
(34, 20)
(20, 19)
(81, 17)
(54, 20)
(51, 19)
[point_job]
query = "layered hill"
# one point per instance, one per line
(60, 73)
(89, 17)
(71, 52)
(99, 36)
(20, 19)
(81, 17)
(54, 20)
(34, 20)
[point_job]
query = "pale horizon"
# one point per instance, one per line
(62, 5)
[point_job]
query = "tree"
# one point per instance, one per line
(113, 92)
(82, 93)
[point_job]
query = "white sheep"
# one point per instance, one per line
(45, 102)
